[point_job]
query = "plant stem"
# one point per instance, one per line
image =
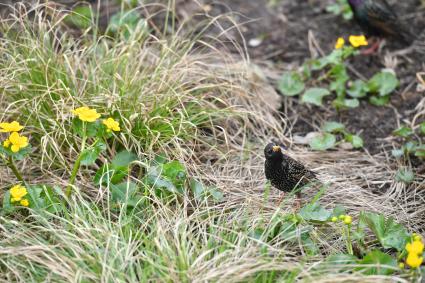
(349, 244)
(15, 170)
(75, 168)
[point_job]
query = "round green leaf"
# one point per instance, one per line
(315, 96)
(379, 100)
(323, 142)
(358, 89)
(346, 103)
(405, 175)
(291, 84)
(404, 132)
(383, 83)
(356, 141)
(422, 127)
(333, 127)
(81, 17)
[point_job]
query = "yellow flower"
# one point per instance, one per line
(358, 40)
(24, 202)
(86, 114)
(348, 219)
(112, 125)
(334, 219)
(341, 217)
(10, 127)
(339, 43)
(17, 141)
(416, 247)
(413, 260)
(17, 193)
(6, 143)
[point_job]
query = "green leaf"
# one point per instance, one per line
(422, 128)
(339, 210)
(323, 142)
(355, 140)
(383, 83)
(216, 194)
(123, 191)
(34, 197)
(403, 131)
(333, 127)
(340, 77)
(344, 103)
(420, 151)
(358, 89)
(314, 212)
(123, 159)
(409, 147)
(81, 17)
(334, 58)
(397, 153)
(109, 174)
(378, 263)
(197, 189)
(389, 233)
(379, 100)
(90, 155)
(291, 84)
(405, 175)
(175, 171)
(315, 96)
(7, 206)
(126, 23)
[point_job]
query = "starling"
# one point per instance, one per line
(284, 172)
(377, 18)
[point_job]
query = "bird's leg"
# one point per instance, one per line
(374, 47)
(298, 201)
(281, 198)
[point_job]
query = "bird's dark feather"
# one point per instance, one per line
(376, 17)
(287, 174)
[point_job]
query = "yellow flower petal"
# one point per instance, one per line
(348, 219)
(358, 40)
(17, 192)
(10, 127)
(112, 125)
(86, 114)
(17, 141)
(416, 247)
(413, 260)
(24, 202)
(340, 43)
(6, 143)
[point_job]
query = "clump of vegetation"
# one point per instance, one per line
(377, 89)
(328, 138)
(340, 8)
(412, 146)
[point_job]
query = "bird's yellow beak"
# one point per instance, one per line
(276, 148)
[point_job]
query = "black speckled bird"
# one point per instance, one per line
(377, 18)
(284, 172)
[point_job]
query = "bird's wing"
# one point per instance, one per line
(298, 171)
(381, 15)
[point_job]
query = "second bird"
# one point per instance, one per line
(377, 18)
